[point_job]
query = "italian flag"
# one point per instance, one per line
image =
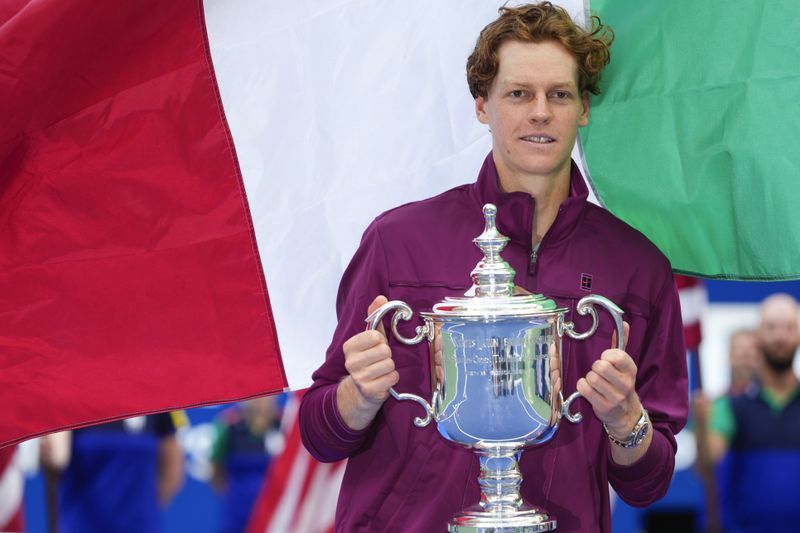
(182, 183)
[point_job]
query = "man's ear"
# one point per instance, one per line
(480, 110)
(584, 118)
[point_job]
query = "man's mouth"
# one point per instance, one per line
(538, 139)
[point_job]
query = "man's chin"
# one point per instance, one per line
(779, 364)
(544, 165)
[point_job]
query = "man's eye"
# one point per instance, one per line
(517, 94)
(560, 95)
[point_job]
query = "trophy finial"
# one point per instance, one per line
(492, 276)
(489, 213)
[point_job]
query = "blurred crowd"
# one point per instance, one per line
(749, 438)
(120, 476)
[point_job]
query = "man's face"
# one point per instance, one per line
(745, 357)
(534, 110)
(778, 333)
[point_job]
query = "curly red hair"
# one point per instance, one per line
(537, 23)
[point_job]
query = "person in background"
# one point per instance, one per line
(756, 433)
(744, 357)
(745, 360)
(241, 454)
(116, 477)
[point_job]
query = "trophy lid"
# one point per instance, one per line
(492, 282)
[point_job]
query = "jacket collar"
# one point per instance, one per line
(515, 209)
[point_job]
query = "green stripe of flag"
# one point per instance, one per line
(695, 140)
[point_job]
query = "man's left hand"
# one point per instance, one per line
(610, 387)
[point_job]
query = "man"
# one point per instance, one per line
(531, 74)
(745, 359)
(744, 356)
(760, 427)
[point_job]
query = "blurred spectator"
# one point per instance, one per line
(116, 477)
(242, 452)
(745, 360)
(759, 428)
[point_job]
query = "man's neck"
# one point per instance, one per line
(549, 193)
(544, 215)
(781, 384)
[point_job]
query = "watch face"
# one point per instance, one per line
(637, 435)
(642, 433)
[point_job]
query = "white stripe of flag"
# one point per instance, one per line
(338, 116)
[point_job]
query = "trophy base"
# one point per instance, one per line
(525, 520)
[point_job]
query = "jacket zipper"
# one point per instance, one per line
(531, 277)
(535, 250)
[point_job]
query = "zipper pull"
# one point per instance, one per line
(534, 254)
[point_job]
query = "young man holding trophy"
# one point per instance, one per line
(530, 73)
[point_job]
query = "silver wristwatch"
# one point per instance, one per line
(638, 433)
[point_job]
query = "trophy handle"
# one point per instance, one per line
(403, 312)
(586, 306)
(566, 404)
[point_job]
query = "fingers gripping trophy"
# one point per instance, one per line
(495, 361)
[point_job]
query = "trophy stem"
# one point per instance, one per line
(500, 480)
(501, 508)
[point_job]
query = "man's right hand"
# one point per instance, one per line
(371, 374)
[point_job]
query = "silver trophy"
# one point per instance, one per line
(495, 361)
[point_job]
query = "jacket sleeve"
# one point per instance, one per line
(662, 385)
(324, 433)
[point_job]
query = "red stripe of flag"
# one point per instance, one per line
(129, 272)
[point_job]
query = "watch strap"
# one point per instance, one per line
(637, 435)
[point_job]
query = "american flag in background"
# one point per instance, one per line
(692, 292)
(11, 489)
(299, 493)
(694, 299)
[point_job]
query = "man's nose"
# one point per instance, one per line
(540, 110)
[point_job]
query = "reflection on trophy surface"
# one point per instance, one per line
(501, 389)
(496, 379)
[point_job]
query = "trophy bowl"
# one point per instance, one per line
(495, 363)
